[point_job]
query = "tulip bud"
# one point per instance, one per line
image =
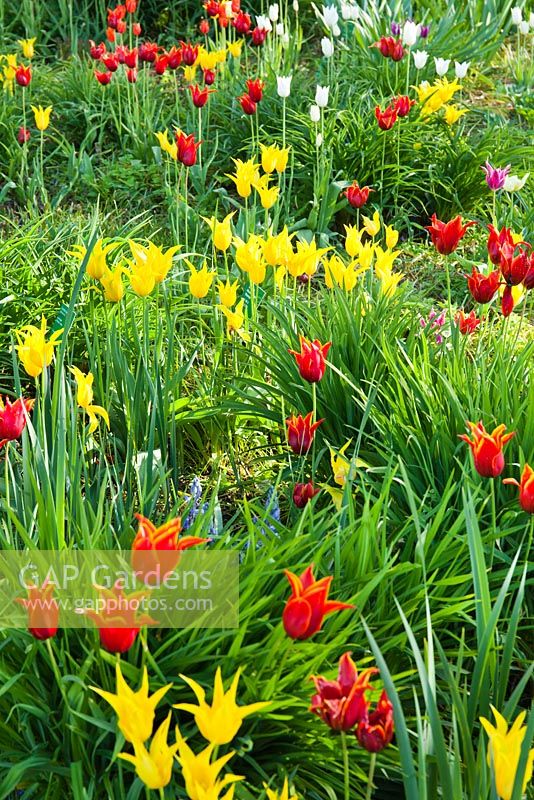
(315, 113)
(23, 135)
(321, 96)
(327, 47)
(303, 493)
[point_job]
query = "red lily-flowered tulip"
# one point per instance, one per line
(397, 52)
(247, 104)
(212, 8)
(96, 51)
(487, 448)
(130, 6)
(209, 76)
(376, 732)
(43, 611)
(187, 149)
(342, 704)
(121, 26)
(120, 53)
(242, 23)
(130, 58)
(13, 418)
(446, 235)
(308, 605)
(496, 239)
(300, 432)
(131, 75)
(255, 89)
(110, 34)
(386, 119)
(483, 287)
(200, 96)
(110, 61)
(115, 15)
(160, 64)
(526, 488)
(189, 53)
(357, 195)
(507, 301)
(528, 281)
(204, 26)
(159, 548)
(119, 621)
(23, 135)
(303, 493)
(390, 47)
(311, 360)
(403, 105)
(467, 323)
(258, 36)
(148, 51)
(23, 75)
(103, 77)
(514, 263)
(136, 29)
(174, 57)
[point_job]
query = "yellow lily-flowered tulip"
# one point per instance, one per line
(84, 398)
(283, 795)
(279, 277)
(392, 237)
(135, 710)
(235, 320)
(33, 350)
(389, 282)
(207, 60)
(340, 464)
(190, 73)
(249, 257)
(353, 240)
(372, 226)
(152, 259)
(9, 71)
(27, 47)
(221, 232)
(154, 766)
(268, 197)
(228, 293)
(351, 275)
(97, 265)
(334, 269)
(278, 250)
(504, 752)
(112, 284)
(201, 775)
(200, 280)
(365, 256)
(305, 259)
(42, 117)
(384, 260)
(220, 722)
(453, 114)
(274, 158)
(234, 48)
(171, 148)
(246, 175)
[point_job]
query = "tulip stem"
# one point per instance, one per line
(346, 774)
(370, 787)
(382, 170)
(162, 793)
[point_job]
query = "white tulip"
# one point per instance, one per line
(531, 20)
(330, 17)
(279, 29)
(315, 113)
(420, 57)
(460, 68)
(517, 15)
(319, 140)
(283, 85)
(349, 11)
(264, 23)
(442, 65)
(321, 96)
(524, 27)
(296, 6)
(513, 183)
(273, 12)
(409, 33)
(327, 46)
(285, 39)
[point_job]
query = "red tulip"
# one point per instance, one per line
(174, 57)
(187, 149)
(209, 77)
(308, 605)
(528, 281)
(13, 416)
(402, 105)
(131, 75)
(258, 36)
(212, 8)
(300, 433)
(357, 195)
(487, 448)
(43, 611)
(160, 64)
(200, 96)
(110, 34)
(130, 6)
(376, 732)
(248, 105)
(397, 52)
(103, 77)
(120, 53)
(121, 26)
(514, 263)
(204, 26)
(23, 135)
(96, 51)
(130, 58)
(390, 47)
(157, 549)
(467, 323)
(387, 118)
(446, 235)
(222, 17)
(526, 488)
(242, 23)
(136, 29)
(483, 287)
(507, 301)
(119, 621)
(110, 61)
(303, 493)
(255, 89)
(148, 52)
(495, 241)
(23, 75)
(115, 15)
(341, 704)
(311, 360)
(189, 54)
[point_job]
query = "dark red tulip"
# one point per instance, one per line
(342, 703)
(13, 416)
(402, 105)
(174, 57)
(23, 135)
(130, 58)
(300, 433)
(209, 77)
(495, 241)
(247, 104)
(187, 149)
(110, 61)
(131, 75)
(23, 75)
(303, 493)
(255, 89)
(160, 64)
(148, 51)
(376, 732)
(258, 36)
(311, 360)
(189, 54)
(514, 263)
(387, 118)
(242, 23)
(200, 96)
(507, 301)
(357, 195)
(96, 51)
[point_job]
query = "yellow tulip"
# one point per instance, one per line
(353, 240)
(228, 293)
(42, 117)
(372, 226)
(278, 250)
(190, 73)
(112, 284)
(340, 464)
(207, 60)
(365, 256)
(201, 774)
(33, 350)
(384, 260)
(504, 752)
(283, 795)
(334, 269)
(171, 148)
(154, 766)
(200, 280)
(268, 197)
(392, 237)
(96, 265)
(153, 259)
(221, 232)
(234, 48)
(249, 255)
(220, 722)
(27, 47)
(274, 158)
(235, 320)
(135, 710)
(246, 174)
(84, 398)
(453, 114)
(305, 259)
(389, 282)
